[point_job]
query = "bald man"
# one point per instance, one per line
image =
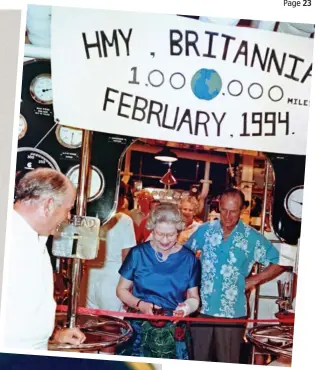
(44, 199)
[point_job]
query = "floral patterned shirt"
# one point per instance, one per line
(226, 264)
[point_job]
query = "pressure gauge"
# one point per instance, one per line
(23, 126)
(41, 89)
(155, 193)
(69, 137)
(96, 181)
(29, 159)
(293, 203)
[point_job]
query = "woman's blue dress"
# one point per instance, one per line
(164, 284)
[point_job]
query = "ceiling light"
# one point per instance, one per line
(166, 155)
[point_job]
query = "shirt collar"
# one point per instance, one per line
(26, 226)
(238, 226)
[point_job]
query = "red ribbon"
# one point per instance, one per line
(91, 311)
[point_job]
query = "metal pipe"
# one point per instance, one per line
(205, 189)
(81, 203)
(262, 230)
(127, 168)
(269, 297)
(206, 182)
(263, 216)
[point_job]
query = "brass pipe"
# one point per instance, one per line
(262, 230)
(263, 216)
(81, 203)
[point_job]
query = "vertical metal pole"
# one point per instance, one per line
(262, 230)
(264, 210)
(81, 203)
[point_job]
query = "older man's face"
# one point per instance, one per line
(62, 212)
(230, 210)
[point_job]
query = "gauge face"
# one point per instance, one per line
(69, 137)
(169, 193)
(23, 127)
(41, 89)
(293, 203)
(96, 181)
(29, 159)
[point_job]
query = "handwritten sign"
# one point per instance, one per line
(172, 78)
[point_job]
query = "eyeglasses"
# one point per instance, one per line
(163, 235)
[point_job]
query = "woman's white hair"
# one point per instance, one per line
(166, 212)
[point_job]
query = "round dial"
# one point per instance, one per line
(29, 159)
(96, 181)
(41, 89)
(293, 203)
(155, 193)
(194, 189)
(23, 126)
(69, 137)
(185, 194)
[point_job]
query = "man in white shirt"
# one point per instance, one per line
(44, 199)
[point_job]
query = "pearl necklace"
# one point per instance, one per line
(158, 257)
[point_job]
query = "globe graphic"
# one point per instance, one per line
(206, 84)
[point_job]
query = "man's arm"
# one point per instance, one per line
(269, 273)
(267, 255)
(194, 241)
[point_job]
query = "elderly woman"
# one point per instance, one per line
(160, 276)
(189, 207)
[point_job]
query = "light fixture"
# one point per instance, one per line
(166, 155)
(168, 179)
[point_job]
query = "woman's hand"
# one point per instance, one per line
(181, 310)
(147, 308)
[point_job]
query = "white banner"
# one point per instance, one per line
(172, 78)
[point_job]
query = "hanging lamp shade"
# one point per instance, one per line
(168, 179)
(166, 155)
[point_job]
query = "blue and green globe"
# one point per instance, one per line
(206, 84)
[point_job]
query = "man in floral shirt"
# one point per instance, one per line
(228, 249)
